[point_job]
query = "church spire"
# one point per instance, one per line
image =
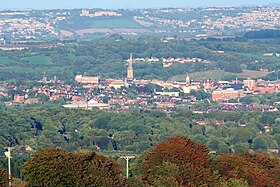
(188, 80)
(130, 68)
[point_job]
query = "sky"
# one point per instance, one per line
(126, 4)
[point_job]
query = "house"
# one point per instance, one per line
(88, 105)
(31, 101)
(28, 148)
(165, 104)
(175, 94)
(225, 94)
(117, 84)
(18, 98)
(249, 83)
(87, 80)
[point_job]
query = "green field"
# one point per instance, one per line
(115, 23)
(17, 69)
(32, 67)
(71, 57)
(220, 75)
(40, 59)
(259, 57)
(6, 60)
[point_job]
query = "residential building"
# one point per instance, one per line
(249, 83)
(89, 105)
(87, 80)
(225, 94)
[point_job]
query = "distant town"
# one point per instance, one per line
(169, 97)
(188, 22)
(95, 93)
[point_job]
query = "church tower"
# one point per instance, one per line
(188, 80)
(130, 69)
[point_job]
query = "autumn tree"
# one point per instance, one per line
(181, 161)
(267, 162)
(4, 179)
(256, 169)
(56, 167)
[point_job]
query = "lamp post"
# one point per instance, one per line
(127, 162)
(8, 155)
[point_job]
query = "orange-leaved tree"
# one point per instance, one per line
(178, 158)
(268, 162)
(256, 169)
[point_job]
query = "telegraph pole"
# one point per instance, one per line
(127, 163)
(8, 155)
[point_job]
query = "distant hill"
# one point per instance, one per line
(262, 34)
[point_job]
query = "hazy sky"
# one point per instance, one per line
(51, 4)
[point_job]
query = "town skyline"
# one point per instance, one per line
(125, 4)
(168, 92)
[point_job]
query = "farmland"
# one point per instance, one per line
(40, 59)
(114, 23)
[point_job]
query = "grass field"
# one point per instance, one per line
(144, 23)
(17, 69)
(6, 60)
(115, 23)
(31, 71)
(32, 67)
(220, 75)
(40, 59)
(258, 57)
(107, 30)
(71, 57)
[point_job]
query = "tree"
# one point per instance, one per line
(223, 148)
(4, 179)
(276, 128)
(268, 118)
(213, 143)
(241, 147)
(233, 182)
(165, 175)
(233, 67)
(56, 167)
(200, 138)
(274, 145)
(260, 143)
(241, 135)
(191, 159)
(105, 99)
(258, 170)
(43, 97)
(276, 137)
(269, 163)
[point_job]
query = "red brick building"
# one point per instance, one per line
(225, 95)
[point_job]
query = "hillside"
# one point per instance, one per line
(105, 58)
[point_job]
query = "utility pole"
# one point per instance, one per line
(8, 155)
(127, 163)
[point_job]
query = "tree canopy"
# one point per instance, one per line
(56, 167)
(180, 159)
(177, 161)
